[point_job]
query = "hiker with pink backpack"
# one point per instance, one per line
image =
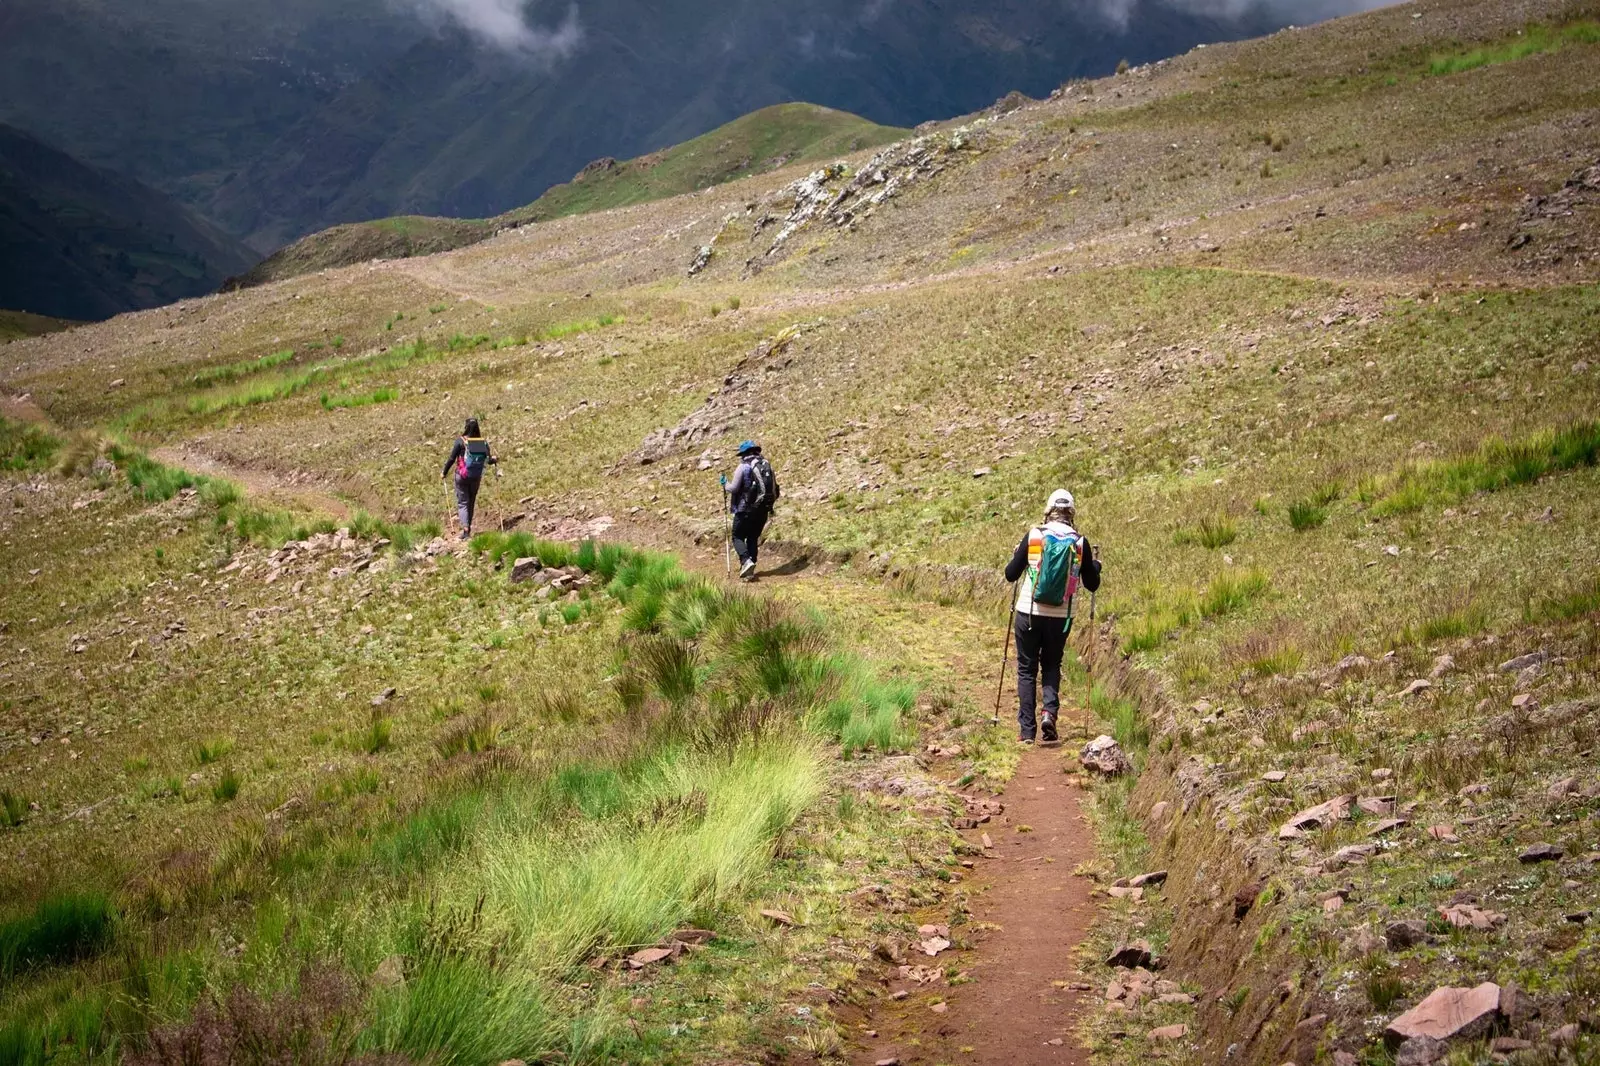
(1048, 567)
(469, 458)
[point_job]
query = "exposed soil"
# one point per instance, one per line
(1029, 914)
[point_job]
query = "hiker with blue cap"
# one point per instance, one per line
(1052, 561)
(751, 496)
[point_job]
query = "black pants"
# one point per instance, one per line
(747, 527)
(467, 499)
(1040, 644)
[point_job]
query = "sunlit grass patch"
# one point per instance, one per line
(1496, 464)
(339, 401)
(222, 375)
(1533, 40)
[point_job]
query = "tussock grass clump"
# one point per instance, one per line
(1311, 511)
(211, 749)
(1122, 715)
(1305, 514)
(378, 735)
(1448, 623)
(470, 734)
(13, 808)
(1229, 591)
(226, 790)
(1212, 531)
(1496, 464)
(1573, 602)
(60, 929)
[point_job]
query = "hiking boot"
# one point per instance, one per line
(747, 570)
(1047, 729)
(1024, 740)
(466, 534)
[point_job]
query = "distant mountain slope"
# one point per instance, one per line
(15, 325)
(181, 93)
(83, 243)
(760, 141)
(452, 128)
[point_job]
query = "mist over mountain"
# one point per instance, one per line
(277, 120)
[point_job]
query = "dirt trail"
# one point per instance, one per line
(258, 483)
(1029, 914)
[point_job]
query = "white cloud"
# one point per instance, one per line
(1302, 12)
(504, 24)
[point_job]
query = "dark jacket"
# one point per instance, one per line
(459, 449)
(1088, 573)
(744, 488)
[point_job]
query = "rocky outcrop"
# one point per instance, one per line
(733, 403)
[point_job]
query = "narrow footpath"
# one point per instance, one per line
(1029, 914)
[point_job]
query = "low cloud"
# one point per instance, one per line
(504, 24)
(1302, 12)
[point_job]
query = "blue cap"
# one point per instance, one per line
(749, 446)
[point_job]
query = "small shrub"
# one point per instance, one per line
(1122, 66)
(226, 790)
(734, 303)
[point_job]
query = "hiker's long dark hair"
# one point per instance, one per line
(472, 429)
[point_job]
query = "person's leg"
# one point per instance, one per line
(472, 500)
(1027, 637)
(758, 524)
(463, 504)
(1052, 646)
(741, 536)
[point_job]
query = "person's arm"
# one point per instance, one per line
(738, 486)
(456, 451)
(1019, 560)
(1089, 571)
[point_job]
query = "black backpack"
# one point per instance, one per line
(767, 491)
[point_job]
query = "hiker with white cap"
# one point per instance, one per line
(1052, 561)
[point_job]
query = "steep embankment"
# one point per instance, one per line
(1308, 324)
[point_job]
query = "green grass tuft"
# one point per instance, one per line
(60, 929)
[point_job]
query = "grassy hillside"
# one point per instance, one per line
(16, 324)
(1307, 323)
(761, 141)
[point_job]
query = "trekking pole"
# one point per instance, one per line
(1005, 658)
(727, 541)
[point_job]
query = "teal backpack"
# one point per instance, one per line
(1055, 578)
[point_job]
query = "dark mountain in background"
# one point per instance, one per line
(278, 119)
(79, 242)
(454, 128)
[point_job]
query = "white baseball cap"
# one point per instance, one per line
(1060, 500)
